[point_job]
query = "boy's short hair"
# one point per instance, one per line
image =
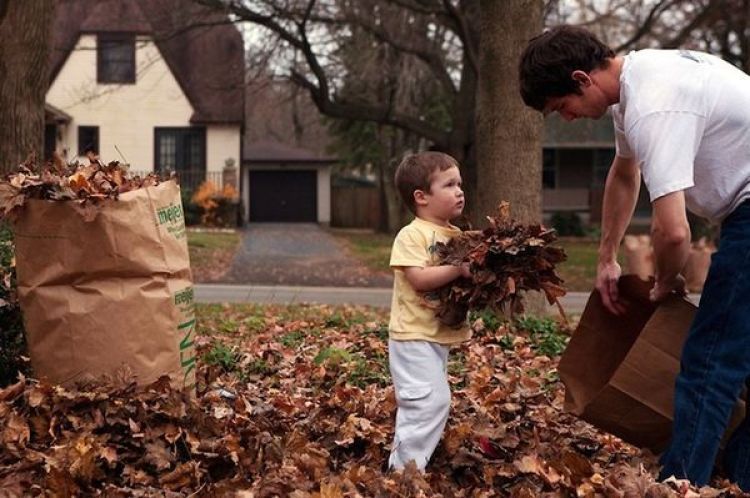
(549, 60)
(415, 171)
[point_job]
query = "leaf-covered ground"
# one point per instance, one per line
(296, 401)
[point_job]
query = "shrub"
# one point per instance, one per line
(192, 211)
(219, 207)
(12, 339)
(567, 223)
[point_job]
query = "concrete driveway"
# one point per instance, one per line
(298, 254)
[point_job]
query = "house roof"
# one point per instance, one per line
(204, 51)
(120, 16)
(581, 133)
(54, 115)
(271, 151)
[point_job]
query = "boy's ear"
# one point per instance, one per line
(420, 198)
(581, 77)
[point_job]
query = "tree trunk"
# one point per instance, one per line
(509, 153)
(24, 49)
(394, 207)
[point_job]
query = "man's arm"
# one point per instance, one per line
(431, 277)
(670, 234)
(620, 195)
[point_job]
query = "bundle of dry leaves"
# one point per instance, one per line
(87, 184)
(505, 259)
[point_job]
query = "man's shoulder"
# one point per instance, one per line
(652, 66)
(659, 81)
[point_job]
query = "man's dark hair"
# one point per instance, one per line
(550, 59)
(415, 172)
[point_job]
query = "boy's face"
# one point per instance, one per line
(445, 200)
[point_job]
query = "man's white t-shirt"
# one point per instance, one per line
(685, 117)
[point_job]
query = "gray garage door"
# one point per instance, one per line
(283, 196)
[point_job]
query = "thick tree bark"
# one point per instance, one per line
(24, 48)
(509, 153)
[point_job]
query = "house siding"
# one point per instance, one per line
(222, 142)
(127, 114)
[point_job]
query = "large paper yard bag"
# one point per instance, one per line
(114, 292)
(619, 371)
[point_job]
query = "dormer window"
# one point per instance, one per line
(115, 58)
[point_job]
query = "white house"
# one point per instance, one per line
(158, 84)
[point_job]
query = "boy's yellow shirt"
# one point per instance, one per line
(410, 319)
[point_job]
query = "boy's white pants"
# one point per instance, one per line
(420, 376)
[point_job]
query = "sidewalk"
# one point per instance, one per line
(574, 302)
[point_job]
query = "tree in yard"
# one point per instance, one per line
(282, 111)
(378, 72)
(24, 31)
(508, 133)
(465, 52)
(439, 37)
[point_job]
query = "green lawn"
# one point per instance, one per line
(373, 249)
(211, 252)
(578, 271)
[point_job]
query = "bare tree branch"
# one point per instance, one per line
(645, 28)
(420, 7)
(383, 112)
(433, 59)
(368, 112)
(697, 21)
(464, 34)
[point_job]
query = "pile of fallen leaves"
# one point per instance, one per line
(506, 259)
(296, 401)
(87, 184)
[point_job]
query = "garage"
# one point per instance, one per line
(283, 196)
(284, 183)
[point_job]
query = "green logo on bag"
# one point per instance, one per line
(183, 300)
(187, 356)
(172, 217)
(170, 214)
(184, 297)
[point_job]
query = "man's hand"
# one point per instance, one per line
(607, 275)
(661, 289)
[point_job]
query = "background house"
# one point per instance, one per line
(576, 159)
(137, 81)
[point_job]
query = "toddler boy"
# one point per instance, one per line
(430, 185)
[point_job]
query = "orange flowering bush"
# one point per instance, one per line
(217, 204)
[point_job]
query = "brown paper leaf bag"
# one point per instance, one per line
(113, 292)
(619, 371)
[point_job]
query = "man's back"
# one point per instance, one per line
(686, 116)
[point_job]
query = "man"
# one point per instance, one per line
(682, 120)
